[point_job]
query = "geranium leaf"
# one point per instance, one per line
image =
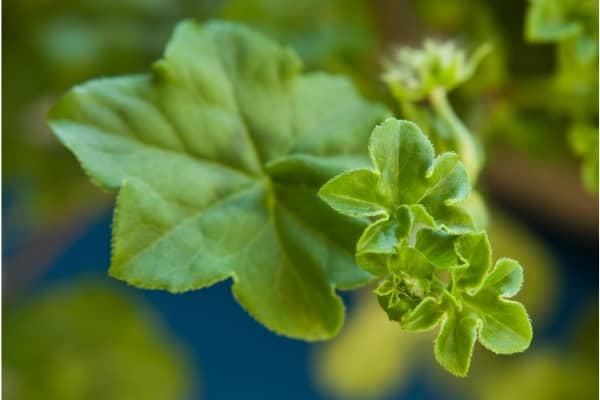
(402, 154)
(454, 344)
(382, 236)
(448, 185)
(424, 316)
(506, 278)
(352, 193)
(505, 327)
(407, 175)
(475, 254)
(192, 147)
(438, 247)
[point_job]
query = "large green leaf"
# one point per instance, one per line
(217, 156)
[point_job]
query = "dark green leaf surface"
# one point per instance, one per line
(191, 149)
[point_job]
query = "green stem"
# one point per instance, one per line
(468, 147)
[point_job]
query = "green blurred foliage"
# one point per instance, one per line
(541, 78)
(48, 47)
(583, 140)
(371, 357)
(548, 373)
(336, 35)
(540, 289)
(84, 340)
(572, 25)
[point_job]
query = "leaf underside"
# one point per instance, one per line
(217, 156)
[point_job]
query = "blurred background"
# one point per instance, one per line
(71, 332)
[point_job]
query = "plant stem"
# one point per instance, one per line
(469, 149)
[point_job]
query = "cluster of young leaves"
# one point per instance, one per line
(429, 73)
(434, 266)
(85, 340)
(377, 363)
(217, 156)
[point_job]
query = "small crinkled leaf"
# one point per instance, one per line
(380, 240)
(191, 148)
(408, 282)
(438, 247)
(505, 325)
(448, 184)
(412, 262)
(423, 317)
(454, 344)
(374, 263)
(410, 177)
(383, 235)
(421, 217)
(505, 279)
(398, 308)
(353, 193)
(402, 155)
(475, 254)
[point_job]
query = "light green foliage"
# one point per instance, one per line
(583, 140)
(423, 238)
(556, 20)
(573, 26)
(88, 342)
(430, 73)
(50, 47)
(217, 157)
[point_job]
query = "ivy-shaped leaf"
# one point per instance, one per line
(217, 156)
(423, 238)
